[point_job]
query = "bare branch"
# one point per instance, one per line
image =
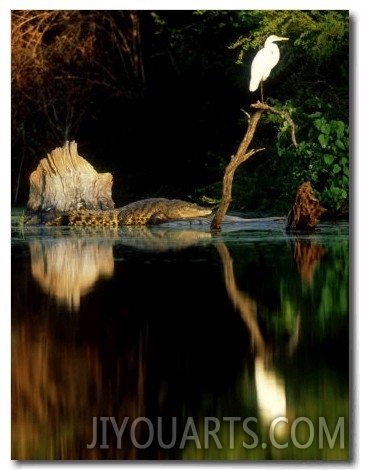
(243, 154)
(283, 114)
(247, 114)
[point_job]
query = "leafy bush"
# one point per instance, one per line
(322, 157)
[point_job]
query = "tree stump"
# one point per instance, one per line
(306, 211)
(65, 181)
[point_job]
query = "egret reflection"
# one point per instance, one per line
(271, 394)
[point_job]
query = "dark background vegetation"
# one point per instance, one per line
(155, 98)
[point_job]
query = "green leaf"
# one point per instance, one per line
(315, 115)
(328, 159)
(336, 168)
(323, 126)
(339, 128)
(340, 144)
(324, 140)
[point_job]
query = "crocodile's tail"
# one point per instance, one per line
(58, 221)
(88, 218)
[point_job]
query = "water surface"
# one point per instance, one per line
(189, 333)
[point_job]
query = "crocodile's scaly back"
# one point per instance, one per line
(144, 212)
(157, 210)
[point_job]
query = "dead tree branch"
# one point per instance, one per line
(242, 155)
(283, 114)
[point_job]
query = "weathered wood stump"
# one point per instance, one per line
(306, 211)
(65, 181)
(66, 190)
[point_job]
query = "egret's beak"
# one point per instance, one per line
(282, 39)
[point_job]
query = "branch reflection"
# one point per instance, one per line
(270, 386)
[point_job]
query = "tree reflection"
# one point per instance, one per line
(131, 352)
(270, 386)
(57, 388)
(68, 268)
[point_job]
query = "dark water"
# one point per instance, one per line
(194, 340)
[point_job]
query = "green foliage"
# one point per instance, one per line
(268, 182)
(113, 78)
(322, 157)
(311, 84)
(316, 35)
(315, 60)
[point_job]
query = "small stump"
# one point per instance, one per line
(306, 212)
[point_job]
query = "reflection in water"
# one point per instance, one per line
(160, 239)
(133, 352)
(246, 306)
(270, 388)
(307, 255)
(57, 390)
(68, 268)
(271, 395)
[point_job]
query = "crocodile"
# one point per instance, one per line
(143, 212)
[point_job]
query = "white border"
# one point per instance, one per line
(359, 11)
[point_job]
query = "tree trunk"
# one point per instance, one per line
(65, 181)
(241, 156)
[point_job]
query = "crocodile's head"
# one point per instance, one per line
(185, 210)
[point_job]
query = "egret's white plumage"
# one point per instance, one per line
(264, 61)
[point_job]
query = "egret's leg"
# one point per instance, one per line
(261, 91)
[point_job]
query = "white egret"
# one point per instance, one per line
(264, 62)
